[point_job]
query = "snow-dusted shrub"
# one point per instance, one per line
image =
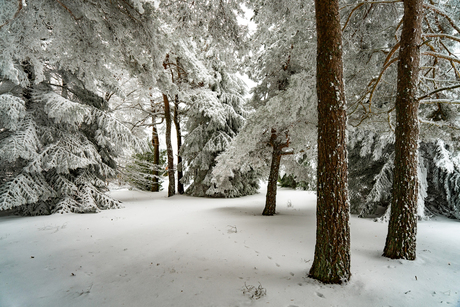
(254, 292)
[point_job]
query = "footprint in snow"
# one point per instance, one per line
(319, 294)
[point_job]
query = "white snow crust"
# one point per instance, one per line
(185, 251)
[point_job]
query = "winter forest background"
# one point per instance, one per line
(154, 95)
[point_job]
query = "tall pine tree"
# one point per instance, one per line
(402, 227)
(331, 263)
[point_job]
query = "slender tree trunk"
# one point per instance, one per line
(331, 262)
(27, 91)
(270, 200)
(180, 185)
(64, 91)
(169, 149)
(156, 157)
(402, 228)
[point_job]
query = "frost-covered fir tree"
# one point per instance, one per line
(204, 39)
(140, 108)
(58, 146)
(142, 171)
(215, 115)
(192, 31)
(57, 61)
(94, 39)
(282, 127)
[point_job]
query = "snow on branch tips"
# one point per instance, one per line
(63, 110)
(12, 111)
(22, 143)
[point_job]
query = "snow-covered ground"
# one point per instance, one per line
(185, 251)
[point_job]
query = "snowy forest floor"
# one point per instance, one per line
(185, 251)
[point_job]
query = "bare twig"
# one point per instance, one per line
(442, 56)
(351, 14)
(361, 121)
(442, 35)
(439, 90)
(440, 125)
(68, 10)
(443, 14)
(396, 30)
(378, 81)
(363, 3)
(436, 101)
(390, 54)
(15, 15)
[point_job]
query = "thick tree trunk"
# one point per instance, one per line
(156, 158)
(180, 185)
(331, 262)
(402, 228)
(169, 149)
(270, 200)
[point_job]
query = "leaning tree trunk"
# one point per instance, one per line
(156, 158)
(331, 262)
(180, 185)
(402, 228)
(270, 200)
(169, 149)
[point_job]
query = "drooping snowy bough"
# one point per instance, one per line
(57, 148)
(371, 169)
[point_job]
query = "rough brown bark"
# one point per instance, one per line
(180, 185)
(169, 149)
(270, 199)
(156, 158)
(402, 228)
(331, 262)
